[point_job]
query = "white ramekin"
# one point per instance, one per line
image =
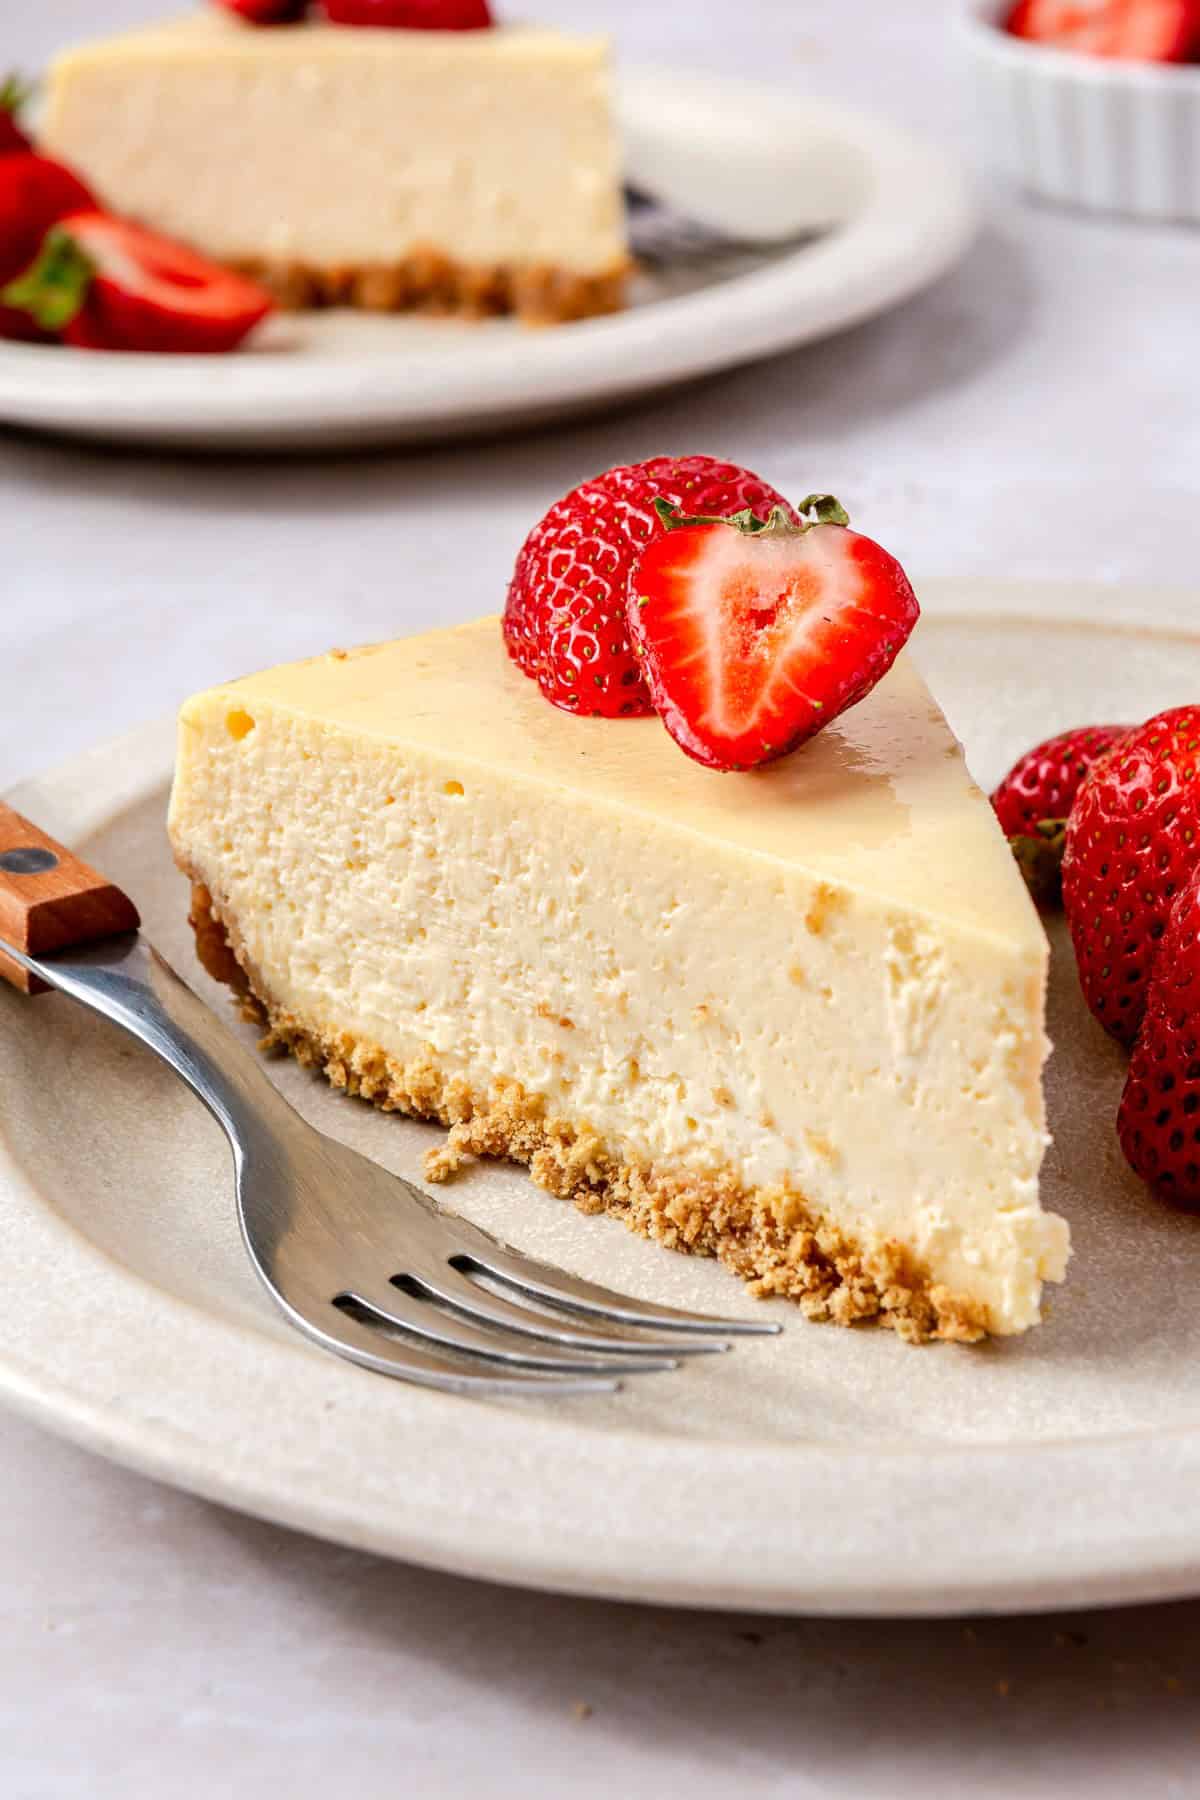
(1110, 136)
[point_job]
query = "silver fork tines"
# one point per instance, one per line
(360, 1260)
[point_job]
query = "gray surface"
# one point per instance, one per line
(1034, 416)
(186, 1651)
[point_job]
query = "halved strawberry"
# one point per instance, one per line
(104, 284)
(754, 633)
(1130, 30)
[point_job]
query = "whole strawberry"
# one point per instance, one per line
(1133, 838)
(1159, 1120)
(565, 622)
(1035, 798)
(13, 95)
(34, 194)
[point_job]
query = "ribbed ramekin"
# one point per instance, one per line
(1118, 137)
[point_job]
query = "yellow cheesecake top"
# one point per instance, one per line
(880, 801)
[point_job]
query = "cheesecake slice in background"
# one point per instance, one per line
(792, 1018)
(469, 172)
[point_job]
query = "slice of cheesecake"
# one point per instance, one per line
(451, 171)
(792, 1018)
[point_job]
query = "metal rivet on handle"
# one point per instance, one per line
(28, 860)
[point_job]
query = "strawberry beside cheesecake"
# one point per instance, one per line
(780, 1006)
(461, 171)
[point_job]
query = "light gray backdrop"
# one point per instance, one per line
(1035, 415)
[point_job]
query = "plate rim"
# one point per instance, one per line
(659, 1489)
(916, 220)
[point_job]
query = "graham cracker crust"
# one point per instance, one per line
(428, 281)
(768, 1236)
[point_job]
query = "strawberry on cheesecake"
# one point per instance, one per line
(387, 154)
(779, 1005)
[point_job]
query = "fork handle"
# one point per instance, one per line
(50, 900)
(127, 982)
(66, 927)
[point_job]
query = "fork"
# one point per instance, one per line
(360, 1260)
(661, 237)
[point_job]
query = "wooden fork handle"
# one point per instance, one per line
(50, 900)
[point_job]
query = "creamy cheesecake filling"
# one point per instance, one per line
(347, 163)
(727, 1018)
(771, 1237)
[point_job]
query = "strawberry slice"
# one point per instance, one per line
(1129, 30)
(755, 633)
(104, 284)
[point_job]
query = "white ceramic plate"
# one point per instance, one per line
(825, 1470)
(900, 217)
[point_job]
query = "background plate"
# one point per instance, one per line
(343, 378)
(823, 1471)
